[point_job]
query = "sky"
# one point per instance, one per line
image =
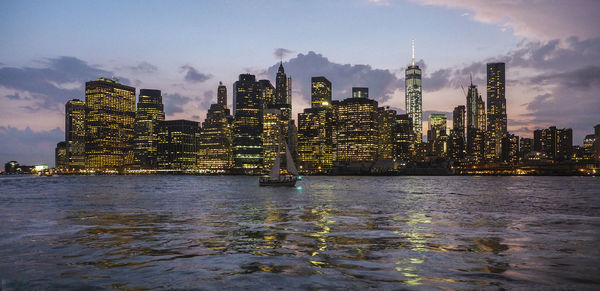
(49, 49)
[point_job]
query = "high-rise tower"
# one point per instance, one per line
(75, 134)
(247, 143)
(320, 92)
(496, 110)
(150, 112)
(414, 96)
(110, 114)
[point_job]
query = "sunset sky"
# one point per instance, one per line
(49, 49)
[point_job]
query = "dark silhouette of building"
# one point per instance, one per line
(496, 110)
(11, 167)
(178, 144)
(510, 149)
(110, 115)
(150, 112)
(457, 135)
(403, 138)
(320, 92)
(525, 147)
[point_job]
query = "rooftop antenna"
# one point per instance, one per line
(471, 76)
(413, 52)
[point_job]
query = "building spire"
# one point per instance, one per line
(413, 52)
(471, 76)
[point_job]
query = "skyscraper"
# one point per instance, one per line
(557, 144)
(272, 128)
(283, 93)
(436, 135)
(215, 144)
(402, 137)
(222, 95)
(496, 110)
(247, 127)
(150, 112)
(355, 130)
(320, 92)
(110, 115)
(75, 134)
(314, 139)
(414, 97)
(476, 124)
(178, 144)
(457, 136)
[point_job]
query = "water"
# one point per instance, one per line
(163, 232)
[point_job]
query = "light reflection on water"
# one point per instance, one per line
(333, 232)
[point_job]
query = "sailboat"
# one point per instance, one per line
(275, 178)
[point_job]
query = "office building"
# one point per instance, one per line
(437, 137)
(403, 138)
(360, 92)
(222, 95)
(476, 125)
(215, 151)
(320, 92)
(555, 143)
(60, 156)
(414, 97)
(150, 112)
(110, 115)
(178, 144)
(74, 135)
(247, 125)
(315, 139)
(355, 137)
(510, 149)
(496, 110)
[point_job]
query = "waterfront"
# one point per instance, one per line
(158, 232)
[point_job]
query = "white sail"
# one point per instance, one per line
(290, 162)
(274, 175)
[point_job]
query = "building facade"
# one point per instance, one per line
(150, 112)
(75, 135)
(178, 144)
(110, 115)
(247, 125)
(320, 92)
(496, 110)
(414, 97)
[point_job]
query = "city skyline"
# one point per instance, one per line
(551, 75)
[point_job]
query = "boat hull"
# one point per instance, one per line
(285, 183)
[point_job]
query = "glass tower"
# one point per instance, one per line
(75, 134)
(414, 97)
(496, 110)
(150, 111)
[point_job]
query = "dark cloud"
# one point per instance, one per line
(281, 53)
(15, 96)
(192, 75)
(343, 77)
(58, 80)
(28, 147)
(174, 103)
(581, 78)
(144, 67)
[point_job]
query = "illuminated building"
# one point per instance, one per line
(510, 149)
(355, 135)
(75, 134)
(247, 126)
(150, 111)
(314, 139)
(178, 144)
(283, 102)
(476, 124)
(360, 92)
(555, 143)
(596, 145)
(222, 95)
(272, 128)
(496, 110)
(215, 153)
(266, 94)
(414, 97)
(320, 92)
(437, 137)
(60, 156)
(525, 146)
(386, 120)
(11, 167)
(588, 146)
(110, 115)
(402, 137)
(457, 135)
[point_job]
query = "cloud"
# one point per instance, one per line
(381, 83)
(50, 86)
(15, 96)
(192, 75)
(281, 53)
(144, 67)
(541, 19)
(174, 103)
(28, 147)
